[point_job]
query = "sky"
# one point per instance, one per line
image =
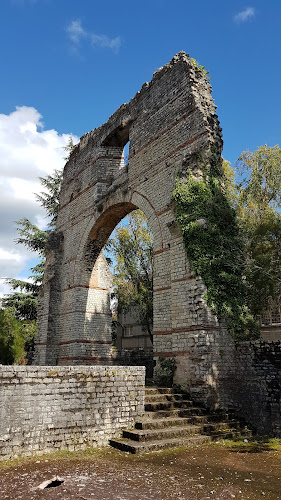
(67, 65)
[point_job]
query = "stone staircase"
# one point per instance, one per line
(171, 420)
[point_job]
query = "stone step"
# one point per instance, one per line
(160, 423)
(167, 405)
(134, 447)
(220, 417)
(159, 390)
(162, 433)
(172, 420)
(175, 412)
(210, 427)
(230, 433)
(204, 421)
(162, 398)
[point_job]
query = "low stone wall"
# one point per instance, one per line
(43, 409)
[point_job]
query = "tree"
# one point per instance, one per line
(24, 297)
(19, 313)
(258, 211)
(132, 253)
(22, 303)
(16, 337)
(229, 185)
(261, 178)
(23, 300)
(50, 199)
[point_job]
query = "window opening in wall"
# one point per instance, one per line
(118, 139)
(126, 154)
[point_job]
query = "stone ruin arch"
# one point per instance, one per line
(168, 122)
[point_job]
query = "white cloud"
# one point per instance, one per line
(106, 42)
(27, 151)
(245, 15)
(76, 33)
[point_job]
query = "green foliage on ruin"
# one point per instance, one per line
(201, 68)
(213, 244)
(164, 372)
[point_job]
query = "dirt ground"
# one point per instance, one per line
(205, 472)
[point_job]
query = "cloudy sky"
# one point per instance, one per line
(66, 65)
(27, 151)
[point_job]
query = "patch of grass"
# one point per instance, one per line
(57, 455)
(257, 444)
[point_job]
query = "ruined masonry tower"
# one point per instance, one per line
(168, 122)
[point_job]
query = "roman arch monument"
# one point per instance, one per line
(168, 122)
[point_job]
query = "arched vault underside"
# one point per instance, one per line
(168, 123)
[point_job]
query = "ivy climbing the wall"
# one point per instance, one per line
(213, 245)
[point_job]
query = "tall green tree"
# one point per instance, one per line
(24, 296)
(19, 308)
(131, 248)
(260, 175)
(49, 199)
(258, 211)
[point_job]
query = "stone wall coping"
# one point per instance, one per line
(71, 369)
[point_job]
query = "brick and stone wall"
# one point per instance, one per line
(44, 409)
(250, 382)
(246, 377)
(170, 123)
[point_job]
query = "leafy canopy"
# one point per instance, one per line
(132, 252)
(258, 211)
(260, 172)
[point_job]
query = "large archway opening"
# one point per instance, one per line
(118, 276)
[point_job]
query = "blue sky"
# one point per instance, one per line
(67, 65)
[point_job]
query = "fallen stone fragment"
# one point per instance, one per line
(51, 483)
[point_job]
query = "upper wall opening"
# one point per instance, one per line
(119, 137)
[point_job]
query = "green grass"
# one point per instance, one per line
(255, 444)
(56, 455)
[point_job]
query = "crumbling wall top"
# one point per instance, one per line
(123, 115)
